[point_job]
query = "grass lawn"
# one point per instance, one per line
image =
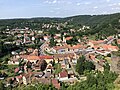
(92, 37)
(4, 58)
(10, 70)
(57, 68)
(47, 53)
(116, 53)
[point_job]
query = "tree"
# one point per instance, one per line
(43, 65)
(52, 42)
(2, 86)
(29, 64)
(107, 66)
(83, 64)
(80, 65)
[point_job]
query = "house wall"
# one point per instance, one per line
(48, 60)
(24, 80)
(62, 79)
(61, 51)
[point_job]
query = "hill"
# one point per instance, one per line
(98, 23)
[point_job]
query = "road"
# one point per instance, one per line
(42, 47)
(73, 69)
(110, 41)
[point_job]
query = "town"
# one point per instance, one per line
(52, 58)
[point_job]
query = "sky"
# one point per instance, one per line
(56, 8)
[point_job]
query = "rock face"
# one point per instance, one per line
(115, 64)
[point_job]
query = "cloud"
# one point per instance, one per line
(55, 1)
(108, 0)
(57, 8)
(51, 11)
(114, 4)
(83, 3)
(116, 8)
(78, 4)
(51, 1)
(119, 4)
(95, 7)
(87, 3)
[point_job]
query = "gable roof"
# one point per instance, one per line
(64, 55)
(76, 46)
(45, 57)
(55, 83)
(30, 57)
(68, 38)
(61, 47)
(96, 42)
(118, 41)
(109, 47)
(63, 74)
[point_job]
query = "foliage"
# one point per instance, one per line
(100, 81)
(57, 68)
(43, 65)
(52, 42)
(83, 64)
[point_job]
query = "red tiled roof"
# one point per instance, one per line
(75, 46)
(16, 70)
(96, 42)
(61, 47)
(64, 55)
(19, 77)
(118, 41)
(110, 37)
(49, 67)
(108, 47)
(30, 57)
(92, 57)
(55, 83)
(45, 57)
(68, 38)
(63, 74)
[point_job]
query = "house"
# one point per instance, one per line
(26, 78)
(35, 52)
(61, 49)
(118, 41)
(56, 84)
(38, 74)
(32, 58)
(19, 78)
(102, 52)
(109, 47)
(16, 70)
(27, 40)
(65, 64)
(63, 75)
(71, 73)
(49, 68)
(46, 38)
(19, 35)
(61, 57)
(75, 48)
(14, 60)
(74, 61)
(93, 43)
(48, 75)
(30, 50)
(99, 67)
(47, 58)
(68, 38)
(18, 42)
(46, 81)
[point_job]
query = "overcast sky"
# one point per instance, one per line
(56, 8)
